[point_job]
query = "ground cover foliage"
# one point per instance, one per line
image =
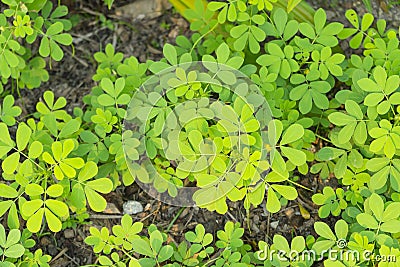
(57, 165)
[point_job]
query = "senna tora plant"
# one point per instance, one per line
(26, 22)
(243, 110)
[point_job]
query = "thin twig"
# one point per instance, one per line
(71, 259)
(105, 217)
(83, 63)
(232, 217)
(62, 252)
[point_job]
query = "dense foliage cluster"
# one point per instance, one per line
(56, 166)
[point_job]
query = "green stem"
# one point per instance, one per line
(300, 185)
(175, 218)
(323, 138)
(201, 37)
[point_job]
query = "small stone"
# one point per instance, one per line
(255, 228)
(143, 8)
(111, 209)
(274, 225)
(45, 241)
(132, 207)
(256, 219)
(263, 226)
(69, 233)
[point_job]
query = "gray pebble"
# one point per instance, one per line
(69, 233)
(132, 207)
(274, 225)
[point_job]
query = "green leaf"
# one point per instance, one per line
(55, 28)
(273, 204)
(214, 6)
(165, 253)
(292, 134)
(232, 15)
(34, 222)
(95, 200)
(352, 17)
(2, 236)
(105, 261)
(142, 247)
(7, 191)
(329, 153)
(170, 54)
(35, 150)
(360, 133)
(55, 190)
(15, 251)
(36, 5)
(376, 204)
(346, 133)
(5, 136)
(57, 207)
(333, 263)
(30, 207)
(323, 230)
(391, 212)
(69, 128)
(44, 49)
(52, 221)
(102, 185)
(341, 229)
(341, 119)
(23, 136)
(10, 164)
(307, 30)
(319, 19)
(204, 180)
(379, 179)
(391, 226)
(88, 171)
(64, 38)
(223, 53)
(287, 192)
(56, 52)
(297, 157)
(354, 109)
(34, 190)
(13, 238)
(367, 221)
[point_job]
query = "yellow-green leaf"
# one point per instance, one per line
(10, 164)
(95, 200)
(55, 190)
(34, 223)
(7, 191)
(57, 207)
(102, 185)
(35, 150)
(52, 221)
(34, 190)
(88, 171)
(23, 136)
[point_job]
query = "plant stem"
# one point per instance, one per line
(175, 218)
